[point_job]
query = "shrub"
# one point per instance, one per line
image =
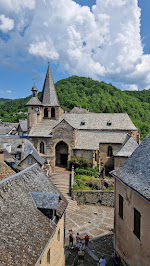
(89, 172)
(80, 162)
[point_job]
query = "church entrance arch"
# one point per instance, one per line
(61, 154)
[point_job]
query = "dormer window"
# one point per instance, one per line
(47, 203)
(82, 123)
(109, 123)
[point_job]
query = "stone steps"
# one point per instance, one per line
(62, 181)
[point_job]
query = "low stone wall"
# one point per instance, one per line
(97, 197)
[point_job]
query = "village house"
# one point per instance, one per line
(58, 135)
(33, 220)
(132, 207)
(22, 151)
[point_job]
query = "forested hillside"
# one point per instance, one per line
(94, 95)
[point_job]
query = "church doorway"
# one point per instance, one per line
(61, 154)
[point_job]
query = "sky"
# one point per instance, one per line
(104, 40)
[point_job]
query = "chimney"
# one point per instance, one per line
(1, 156)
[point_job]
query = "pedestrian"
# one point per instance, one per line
(77, 240)
(71, 239)
(86, 240)
(117, 260)
(102, 261)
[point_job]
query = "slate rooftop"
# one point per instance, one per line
(127, 147)
(136, 171)
(89, 121)
(25, 230)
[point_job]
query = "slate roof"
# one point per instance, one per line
(127, 147)
(136, 171)
(93, 121)
(25, 230)
(90, 140)
(23, 125)
(8, 157)
(45, 200)
(35, 155)
(15, 141)
(5, 171)
(4, 130)
(79, 110)
(49, 95)
(44, 128)
(98, 121)
(34, 101)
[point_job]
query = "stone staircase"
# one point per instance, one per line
(61, 179)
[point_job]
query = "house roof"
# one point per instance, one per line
(136, 171)
(5, 171)
(34, 101)
(99, 121)
(8, 157)
(44, 128)
(23, 125)
(49, 95)
(90, 121)
(79, 110)
(4, 130)
(15, 142)
(90, 140)
(127, 147)
(35, 155)
(25, 230)
(45, 200)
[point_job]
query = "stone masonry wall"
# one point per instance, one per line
(98, 197)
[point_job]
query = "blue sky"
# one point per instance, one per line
(105, 42)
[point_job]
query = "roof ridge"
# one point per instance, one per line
(17, 174)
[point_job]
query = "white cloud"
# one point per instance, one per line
(6, 23)
(104, 43)
(43, 49)
(9, 91)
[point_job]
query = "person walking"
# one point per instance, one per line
(77, 240)
(71, 239)
(102, 261)
(86, 240)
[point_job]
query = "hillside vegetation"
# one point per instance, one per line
(93, 95)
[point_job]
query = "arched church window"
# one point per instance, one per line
(46, 112)
(109, 151)
(52, 112)
(42, 147)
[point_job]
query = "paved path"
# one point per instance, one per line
(91, 219)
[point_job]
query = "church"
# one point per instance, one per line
(58, 135)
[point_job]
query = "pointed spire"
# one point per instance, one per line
(49, 95)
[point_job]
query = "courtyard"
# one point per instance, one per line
(91, 219)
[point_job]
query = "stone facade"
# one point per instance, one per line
(53, 254)
(136, 253)
(99, 197)
(119, 161)
(28, 161)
